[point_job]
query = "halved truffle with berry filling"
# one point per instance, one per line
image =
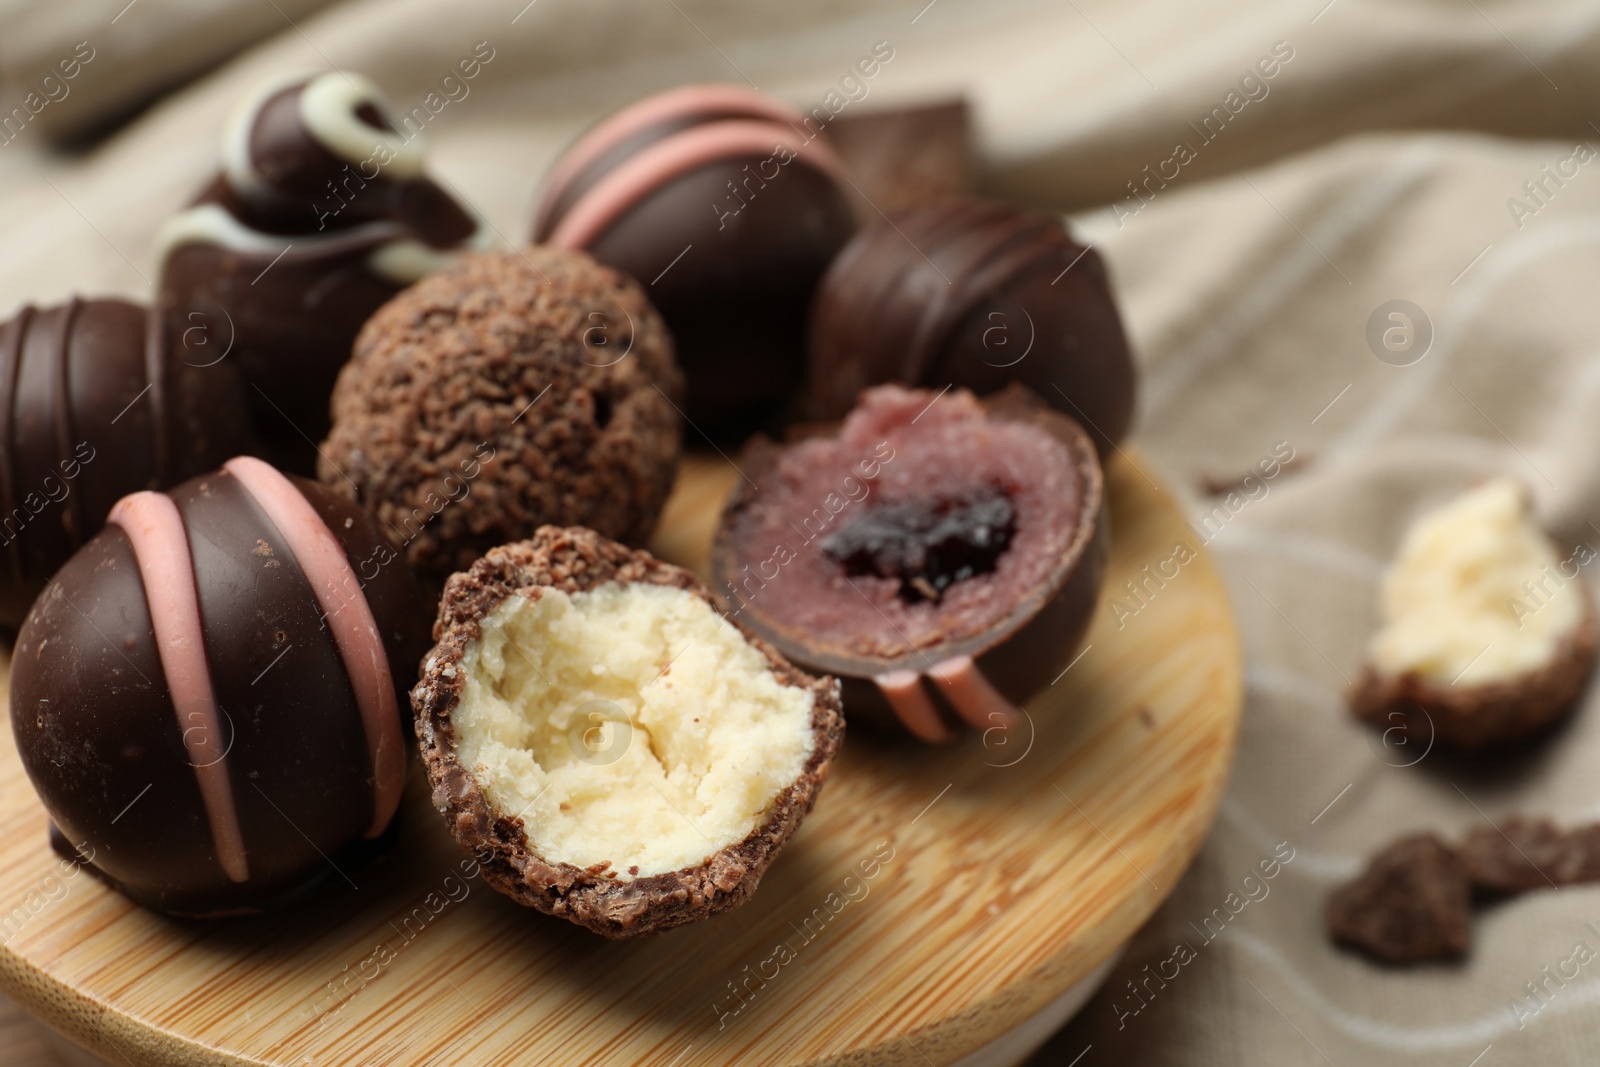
(629, 759)
(940, 554)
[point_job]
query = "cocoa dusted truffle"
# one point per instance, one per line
(629, 759)
(1489, 636)
(940, 554)
(209, 696)
(974, 294)
(508, 391)
(320, 214)
(728, 205)
(98, 399)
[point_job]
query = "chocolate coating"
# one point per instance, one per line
(1017, 656)
(728, 208)
(510, 390)
(320, 214)
(976, 295)
(114, 760)
(97, 399)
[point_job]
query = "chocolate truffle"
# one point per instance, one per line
(628, 759)
(728, 205)
(209, 696)
(508, 391)
(320, 214)
(1489, 635)
(940, 554)
(1412, 904)
(98, 398)
(973, 294)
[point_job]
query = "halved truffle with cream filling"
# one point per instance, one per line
(629, 759)
(1488, 634)
(940, 554)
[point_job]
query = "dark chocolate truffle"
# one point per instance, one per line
(728, 206)
(209, 696)
(1412, 904)
(98, 399)
(508, 391)
(940, 554)
(973, 294)
(320, 214)
(628, 759)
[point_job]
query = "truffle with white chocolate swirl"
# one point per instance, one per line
(321, 213)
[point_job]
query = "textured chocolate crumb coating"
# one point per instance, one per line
(576, 560)
(1413, 903)
(1477, 717)
(976, 294)
(506, 392)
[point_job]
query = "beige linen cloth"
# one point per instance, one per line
(1383, 159)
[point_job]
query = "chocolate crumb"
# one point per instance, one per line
(1413, 903)
(1526, 853)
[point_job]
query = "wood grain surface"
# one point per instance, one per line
(1003, 868)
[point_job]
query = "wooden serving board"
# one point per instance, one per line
(935, 899)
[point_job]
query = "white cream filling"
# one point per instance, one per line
(629, 724)
(1477, 593)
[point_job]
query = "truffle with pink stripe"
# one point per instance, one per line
(208, 697)
(727, 205)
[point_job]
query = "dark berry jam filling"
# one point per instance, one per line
(928, 545)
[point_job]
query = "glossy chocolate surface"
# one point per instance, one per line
(729, 250)
(287, 252)
(976, 295)
(113, 760)
(98, 399)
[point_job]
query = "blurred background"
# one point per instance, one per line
(1254, 224)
